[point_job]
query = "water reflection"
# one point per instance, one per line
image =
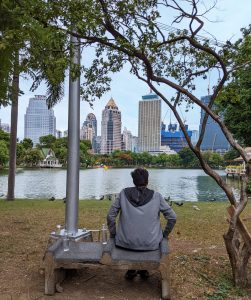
(179, 184)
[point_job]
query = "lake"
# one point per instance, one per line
(179, 184)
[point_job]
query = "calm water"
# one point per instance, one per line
(179, 184)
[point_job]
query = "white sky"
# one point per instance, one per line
(231, 15)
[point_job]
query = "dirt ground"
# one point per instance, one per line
(200, 268)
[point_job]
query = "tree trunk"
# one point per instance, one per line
(238, 245)
(13, 133)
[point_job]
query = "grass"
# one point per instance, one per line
(200, 266)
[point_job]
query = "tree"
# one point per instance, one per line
(32, 157)
(4, 154)
(230, 155)
(188, 158)
(40, 50)
(20, 153)
(27, 143)
(235, 99)
(130, 32)
(47, 141)
(4, 136)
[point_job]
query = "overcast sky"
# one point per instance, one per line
(231, 15)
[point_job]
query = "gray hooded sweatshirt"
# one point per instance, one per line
(139, 225)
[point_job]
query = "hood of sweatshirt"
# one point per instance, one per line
(138, 196)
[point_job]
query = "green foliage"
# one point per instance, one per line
(235, 99)
(230, 155)
(249, 187)
(4, 153)
(47, 141)
(188, 158)
(32, 157)
(20, 153)
(5, 136)
(27, 143)
(213, 159)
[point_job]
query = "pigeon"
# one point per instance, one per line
(179, 203)
(52, 199)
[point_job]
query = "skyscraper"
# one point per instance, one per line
(110, 128)
(38, 120)
(149, 123)
(214, 139)
(127, 139)
(5, 126)
(89, 130)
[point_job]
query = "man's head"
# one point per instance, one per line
(140, 177)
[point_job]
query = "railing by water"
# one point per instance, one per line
(235, 170)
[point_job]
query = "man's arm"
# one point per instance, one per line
(169, 215)
(111, 216)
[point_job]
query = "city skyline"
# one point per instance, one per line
(127, 90)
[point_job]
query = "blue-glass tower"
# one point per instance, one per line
(214, 139)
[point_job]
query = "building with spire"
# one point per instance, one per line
(89, 130)
(110, 128)
(149, 123)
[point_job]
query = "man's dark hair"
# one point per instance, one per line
(140, 177)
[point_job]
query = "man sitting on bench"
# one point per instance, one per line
(139, 225)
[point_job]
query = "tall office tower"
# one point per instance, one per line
(135, 144)
(110, 128)
(195, 136)
(38, 120)
(127, 139)
(214, 139)
(89, 130)
(149, 123)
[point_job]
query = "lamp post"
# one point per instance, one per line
(72, 185)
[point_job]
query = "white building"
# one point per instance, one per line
(149, 123)
(127, 139)
(38, 120)
(5, 126)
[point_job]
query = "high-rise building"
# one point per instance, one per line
(5, 126)
(38, 120)
(135, 144)
(89, 130)
(195, 136)
(149, 123)
(214, 139)
(110, 128)
(127, 140)
(173, 137)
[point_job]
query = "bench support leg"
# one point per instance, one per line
(53, 276)
(164, 269)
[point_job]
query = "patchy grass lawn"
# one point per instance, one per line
(200, 267)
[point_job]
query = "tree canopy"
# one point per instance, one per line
(235, 99)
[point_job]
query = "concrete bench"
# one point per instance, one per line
(97, 255)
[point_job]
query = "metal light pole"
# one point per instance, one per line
(72, 185)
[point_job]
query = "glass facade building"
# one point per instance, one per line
(38, 120)
(214, 139)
